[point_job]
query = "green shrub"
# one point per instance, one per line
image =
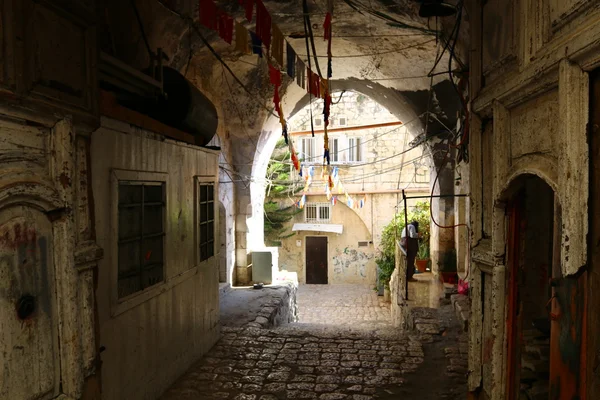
(392, 232)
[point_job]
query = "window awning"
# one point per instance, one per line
(334, 228)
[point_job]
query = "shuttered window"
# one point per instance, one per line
(354, 149)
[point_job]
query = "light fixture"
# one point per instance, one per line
(436, 8)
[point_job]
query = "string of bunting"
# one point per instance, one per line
(268, 34)
(333, 178)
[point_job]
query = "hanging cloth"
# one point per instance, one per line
(314, 83)
(274, 76)
(249, 8)
(208, 14)
(277, 45)
(291, 60)
(300, 73)
(225, 26)
(241, 39)
(256, 44)
(263, 23)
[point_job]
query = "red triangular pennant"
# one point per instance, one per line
(208, 14)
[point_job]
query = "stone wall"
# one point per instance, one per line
(529, 91)
(400, 311)
(282, 308)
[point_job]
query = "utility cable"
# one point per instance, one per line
(376, 53)
(218, 57)
(143, 32)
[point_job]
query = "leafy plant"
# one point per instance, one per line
(423, 253)
(386, 266)
(393, 231)
(280, 186)
(275, 220)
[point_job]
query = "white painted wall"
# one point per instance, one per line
(153, 337)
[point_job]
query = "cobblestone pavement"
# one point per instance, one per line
(341, 305)
(366, 360)
(300, 362)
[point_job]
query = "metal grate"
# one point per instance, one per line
(317, 212)
(206, 220)
(141, 236)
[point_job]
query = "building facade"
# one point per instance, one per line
(336, 237)
(532, 330)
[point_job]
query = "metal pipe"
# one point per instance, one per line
(406, 230)
(437, 196)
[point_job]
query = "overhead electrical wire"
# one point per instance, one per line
(376, 53)
(417, 118)
(360, 7)
(218, 57)
(142, 30)
(359, 177)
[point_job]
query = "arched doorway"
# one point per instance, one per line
(533, 264)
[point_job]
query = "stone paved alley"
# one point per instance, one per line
(352, 354)
(342, 305)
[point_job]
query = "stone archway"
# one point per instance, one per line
(271, 132)
(443, 240)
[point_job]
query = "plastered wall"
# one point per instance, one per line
(153, 337)
(347, 263)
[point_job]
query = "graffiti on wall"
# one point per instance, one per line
(349, 261)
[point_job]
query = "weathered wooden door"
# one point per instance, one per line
(316, 259)
(515, 220)
(29, 367)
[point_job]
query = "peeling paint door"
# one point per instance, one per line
(316, 259)
(28, 327)
(512, 323)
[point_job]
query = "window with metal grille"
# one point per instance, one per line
(206, 220)
(317, 212)
(141, 208)
(308, 149)
(334, 150)
(354, 149)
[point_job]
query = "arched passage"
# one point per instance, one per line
(296, 100)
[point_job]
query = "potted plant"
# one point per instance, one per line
(422, 260)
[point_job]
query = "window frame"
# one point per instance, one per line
(312, 158)
(334, 156)
(359, 151)
(318, 206)
(202, 180)
(120, 305)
